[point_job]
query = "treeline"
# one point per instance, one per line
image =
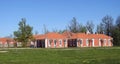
(106, 26)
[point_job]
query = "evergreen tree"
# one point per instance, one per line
(24, 33)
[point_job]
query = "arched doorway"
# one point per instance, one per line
(72, 42)
(102, 42)
(90, 43)
(41, 43)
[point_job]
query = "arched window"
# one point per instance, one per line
(55, 42)
(49, 42)
(60, 42)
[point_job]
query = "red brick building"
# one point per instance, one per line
(64, 40)
(6, 42)
(69, 39)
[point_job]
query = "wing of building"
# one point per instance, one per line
(6, 42)
(69, 39)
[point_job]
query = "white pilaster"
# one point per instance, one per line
(65, 43)
(99, 43)
(105, 42)
(87, 42)
(77, 43)
(45, 43)
(81, 43)
(93, 42)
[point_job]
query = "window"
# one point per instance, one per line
(65, 43)
(55, 41)
(60, 41)
(49, 43)
(80, 42)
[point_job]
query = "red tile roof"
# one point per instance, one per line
(4, 40)
(70, 35)
(51, 35)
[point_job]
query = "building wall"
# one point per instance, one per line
(64, 43)
(51, 43)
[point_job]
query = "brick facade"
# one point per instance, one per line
(68, 39)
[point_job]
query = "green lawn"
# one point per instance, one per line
(61, 56)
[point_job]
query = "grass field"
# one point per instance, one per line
(109, 55)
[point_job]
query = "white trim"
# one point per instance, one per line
(81, 43)
(77, 42)
(45, 43)
(99, 43)
(65, 43)
(55, 43)
(49, 43)
(93, 42)
(60, 42)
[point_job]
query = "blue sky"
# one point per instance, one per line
(55, 14)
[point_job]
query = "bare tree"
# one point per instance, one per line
(118, 22)
(100, 28)
(36, 32)
(45, 29)
(73, 26)
(107, 22)
(82, 28)
(90, 26)
(54, 30)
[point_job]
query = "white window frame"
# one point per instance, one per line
(49, 43)
(60, 42)
(55, 42)
(65, 42)
(81, 42)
